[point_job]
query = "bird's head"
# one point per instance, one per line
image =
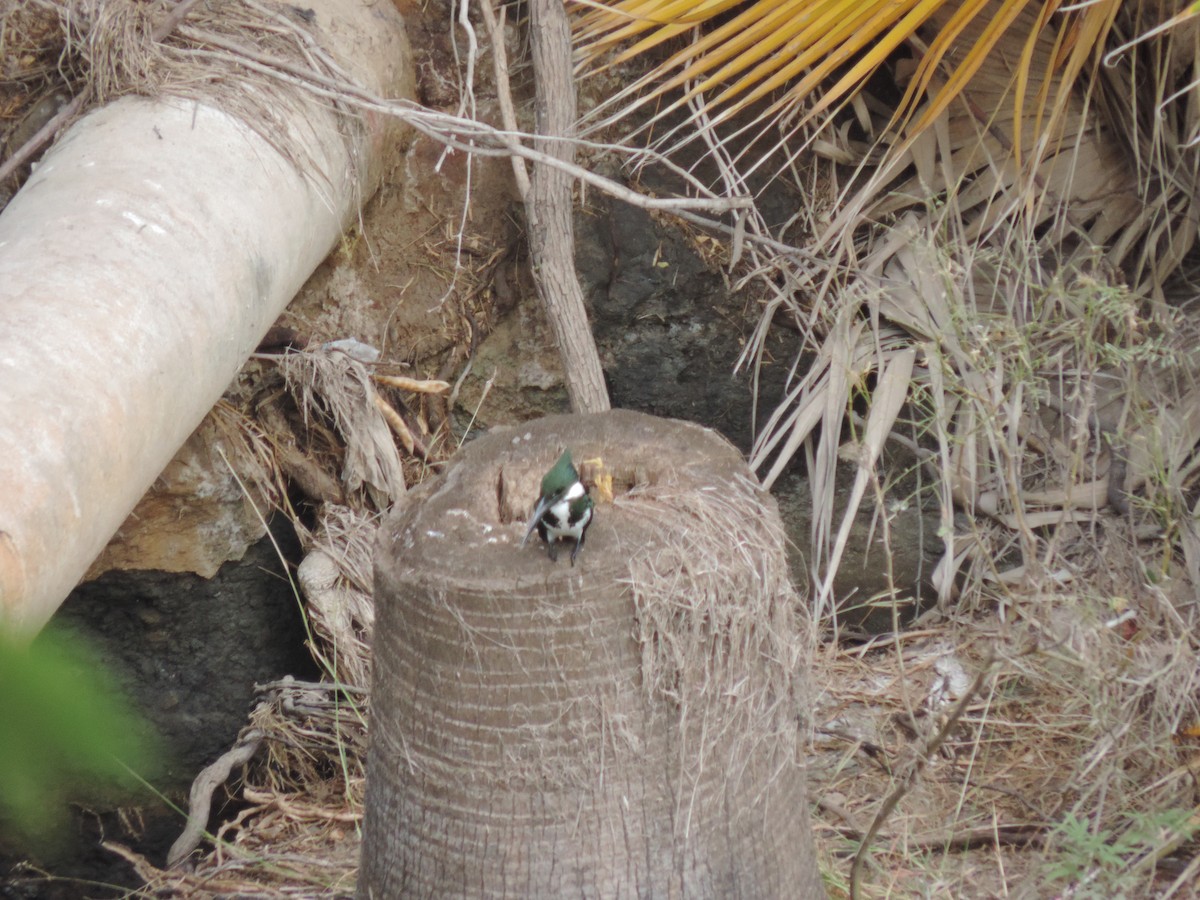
(560, 478)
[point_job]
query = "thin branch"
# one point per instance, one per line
(461, 133)
(508, 112)
(47, 131)
(906, 783)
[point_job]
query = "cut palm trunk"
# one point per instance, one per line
(626, 726)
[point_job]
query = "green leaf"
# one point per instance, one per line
(66, 733)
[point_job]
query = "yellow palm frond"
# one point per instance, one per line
(808, 56)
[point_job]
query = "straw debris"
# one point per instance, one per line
(297, 835)
(721, 629)
(338, 387)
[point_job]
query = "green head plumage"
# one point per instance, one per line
(561, 477)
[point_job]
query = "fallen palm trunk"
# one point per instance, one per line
(139, 266)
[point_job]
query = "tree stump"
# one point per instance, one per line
(624, 728)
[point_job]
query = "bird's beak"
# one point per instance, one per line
(543, 504)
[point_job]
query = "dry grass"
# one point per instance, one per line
(1052, 738)
(297, 832)
(721, 629)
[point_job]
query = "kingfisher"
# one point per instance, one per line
(564, 509)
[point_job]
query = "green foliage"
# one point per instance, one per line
(1112, 326)
(65, 732)
(1103, 862)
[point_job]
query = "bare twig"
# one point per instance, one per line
(508, 112)
(416, 385)
(461, 133)
(47, 131)
(906, 783)
(200, 800)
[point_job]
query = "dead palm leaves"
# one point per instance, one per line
(1036, 400)
(993, 157)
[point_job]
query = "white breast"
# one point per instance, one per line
(558, 513)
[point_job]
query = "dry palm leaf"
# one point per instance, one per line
(886, 403)
(335, 386)
(992, 154)
(1147, 90)
(996, 123)
(1082, 409)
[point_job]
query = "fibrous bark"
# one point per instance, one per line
(623, 728)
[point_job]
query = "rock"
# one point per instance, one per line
(190, 649)
(195, 518)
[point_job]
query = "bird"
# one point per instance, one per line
(564, 509)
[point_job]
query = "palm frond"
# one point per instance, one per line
(996, 179)
(783, 51)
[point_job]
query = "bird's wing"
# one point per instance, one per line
(544, 503)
